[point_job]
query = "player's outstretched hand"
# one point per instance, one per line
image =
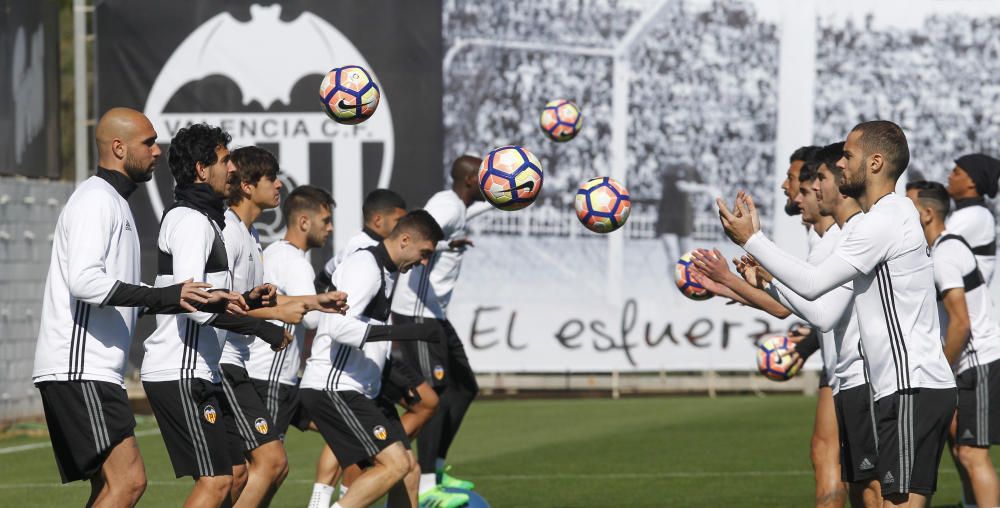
(266, 294)
(460, 244)
(739, 224)
(712, 264)
(194, 294)
(284, 342)
(334, 302)
(291, 312)
(702, 280)
(235, 304)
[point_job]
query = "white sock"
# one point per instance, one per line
(439, 464)
(321, 496)
(343, 490)
(427, 482)
(336, 505)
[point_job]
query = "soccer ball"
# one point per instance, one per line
(602, 204)
(561, 120)
(687, 285)
(774, 360)
(510, 177)
(349, 95)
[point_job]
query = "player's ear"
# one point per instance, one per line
(876, 163)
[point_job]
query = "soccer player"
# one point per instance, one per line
(971, 340)
(342, 378)
(885, 257)
(180, 370)
(974, 176)
(401, 384)
(91, 300)
(825, 445)
(256, 188)
(424, 294)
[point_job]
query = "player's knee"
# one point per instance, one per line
(136, 486)
(971, 457)
(218, 487)
(272, 460)
(396, 460)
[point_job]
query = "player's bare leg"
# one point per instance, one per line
(982, 476)
(210, 492)
(825, 453)
(268, 467)
(240, 475)
(122, 478)
(910, 500)
(868, 495)
(404, 493)
(391, 465)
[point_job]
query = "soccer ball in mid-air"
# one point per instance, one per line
(349, 95)
(687, 285)
(602, 204)
(774, 358)
(561, 120)
(510, 177)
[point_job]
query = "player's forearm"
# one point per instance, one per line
(727, 292)
(756, 298)
(956, 336)
(248, 325)
(824, 312)
(807, 280)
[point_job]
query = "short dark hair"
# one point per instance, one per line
(933, 195)
(464, 165)
(810, 168)
(888, 139)
(191, 145)
(381, 201)
(306, 197)
(802, 153)
(252, 163)
(829, 155)
(419, 223)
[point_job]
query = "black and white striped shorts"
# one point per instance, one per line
(86, 419)
(979, 405)
(911, 429)
(191, 416)
(354, 426)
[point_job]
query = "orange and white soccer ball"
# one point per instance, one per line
(561, 120)
(602, 204)
(685, 283)
(774, 358)
(510, 177)
(349, 95)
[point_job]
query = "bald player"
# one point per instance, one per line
(92, 299)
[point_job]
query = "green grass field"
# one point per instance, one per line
(679, 451)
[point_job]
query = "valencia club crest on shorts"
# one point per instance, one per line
(438, 372)
(261, 425)
(209, 413)
(380, 433)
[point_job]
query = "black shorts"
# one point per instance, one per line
(979, 406)
(283, 404)
(354, 426)
(86, 419)
(856, 425)
(912, 426)
(247, 420)
(400, 382)
(190, 413)
(430, 359)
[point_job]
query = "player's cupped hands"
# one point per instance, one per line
(288, 338)
(752, 272)
(742, 221)
(334, 302)
(712, 264)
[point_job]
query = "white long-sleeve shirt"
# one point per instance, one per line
(288, 268)
(341, 359)
(247, 268)
(426, 290)
(185, 345)
(886, 257)
(362, 240)
(95, 246)
(974, 222)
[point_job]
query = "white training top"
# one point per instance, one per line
(886, 256)
(426, 291)
(244, 253)
(834, 313)
(185, 345)
(95, 245)
(362, 240)
(288, 268)
(341, 360)
(952, 262)
(977, 225)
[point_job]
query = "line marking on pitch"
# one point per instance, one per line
(47, 444)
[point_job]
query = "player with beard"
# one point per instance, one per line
(90, 304)
(975, 176)
(825, 445)
(180, 370)
(885, 257)
(971, 341)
